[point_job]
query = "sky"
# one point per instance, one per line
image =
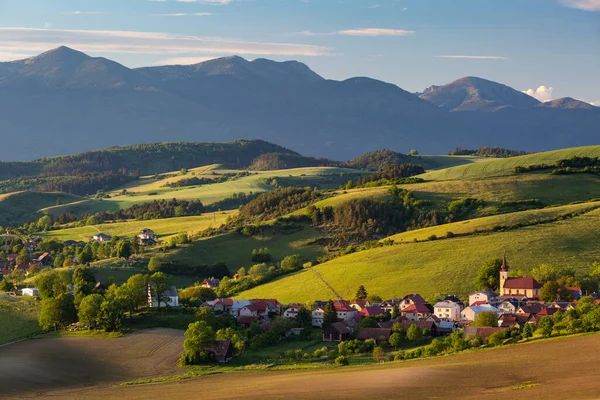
(548, 48)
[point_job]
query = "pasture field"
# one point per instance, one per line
(19, 206)
(92, 368)
(18, 317)
(530, 217)
(235, 249)
(212, 193)
(505, 166)
(441, 266)
(164, 228)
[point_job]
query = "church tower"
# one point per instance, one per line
(504, 273)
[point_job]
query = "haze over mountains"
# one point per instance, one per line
(64, 101)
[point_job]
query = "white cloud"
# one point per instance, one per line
(361, 32)
(84, 12)
(211, 2)
(587, 5)
(475, 57)
(107, 41)
(375, 32)
(184, 60)
(595, 103)
(542, 93)
(200, 14)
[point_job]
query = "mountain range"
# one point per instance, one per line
(64, 101)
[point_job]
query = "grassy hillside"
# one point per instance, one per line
(442, 266)
(17, 318)
(208, 194)
(162, 227)
(505, 166)
(509, 220)
(18, 207)
(235, 249)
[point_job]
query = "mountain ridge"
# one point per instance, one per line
(84, 103)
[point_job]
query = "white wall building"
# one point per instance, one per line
(446, 310)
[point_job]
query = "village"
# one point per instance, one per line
(516, 305)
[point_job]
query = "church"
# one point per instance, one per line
(517, 287)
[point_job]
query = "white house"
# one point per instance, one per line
(471, 312)
(344, 312)
(236, 306)
(170, 297)
(101, 237)
(487, 296)
(447, 311)
(146, 234)
(33, 292)
(292, 311)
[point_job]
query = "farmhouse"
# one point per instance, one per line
(471, 312)
(211, 283)
(416, 311)
(336, 332)
(488, 296)
(221, 351)
(101, 238)
(32, 292)
(170, 297)
(447, 311)
(146, 237)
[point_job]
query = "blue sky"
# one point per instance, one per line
(526, 44)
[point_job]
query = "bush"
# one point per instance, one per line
(341, 360)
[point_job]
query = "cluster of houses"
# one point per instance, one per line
(516, 304)
(146, 237)
(38, 260)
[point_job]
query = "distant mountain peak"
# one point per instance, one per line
(568, 103)
(61, 53)
(472, 93)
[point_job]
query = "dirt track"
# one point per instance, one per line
(556, 369)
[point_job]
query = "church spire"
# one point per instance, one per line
(504, 266)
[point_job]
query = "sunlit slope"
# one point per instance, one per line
(505, 166)
(442, 266)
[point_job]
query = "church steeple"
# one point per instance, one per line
(504, 273)
(504, 266)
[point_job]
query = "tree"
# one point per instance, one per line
(549, 291)
(123, 249)
(160, 283)
(378, 354)
(373, 298)
(414, 333)
(113, 308)
(18, 276)
(329, 314)
(84, 282)
(292, 263)
(52, 283)
(528, 331)
(489, 275)
(90, 310)
(23, 257)
(137, 288)
(6, 285)
(198, 336)
(86, 256)
(545, 273)
(395, 312)
(369, 322)
(154, 264)
(545, 326)
(304, 317)
(361, 293)
(57, 312)
(241, 272)
(486, 319)
(207, 314)
(497, 338)
(396, 340)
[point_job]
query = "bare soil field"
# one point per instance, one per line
(563, 368)
(36, 368)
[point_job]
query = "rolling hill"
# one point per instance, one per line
(506, 166)
(442, 266)
(62, 93)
